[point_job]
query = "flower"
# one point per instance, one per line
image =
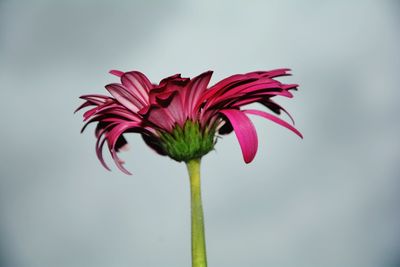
(181, 117)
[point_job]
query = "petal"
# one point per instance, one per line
(119, 162)
(113, 136)
(276, 108)
(245, 132)
(116, 72)
(274, 119)
(249, 87)
(83, 105)
(123, 96)
(138, 84)
(195, 89)
(101, 139)
(99, 152)
(162, 118)
(93, 100)
(273, 73)
(216, 89)
(177, 111)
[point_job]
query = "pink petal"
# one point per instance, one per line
(273, 105)
(113, 136)
(143, 80)
(83, 105)
(93, 100)
(119, 162)
(99, 150)
(123, 96)
(274, 119)
(89, 113)
(116, 72)
(245, 132)
(275, 73)
(138, 84)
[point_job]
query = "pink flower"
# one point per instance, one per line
(180, 117)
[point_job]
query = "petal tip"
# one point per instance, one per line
(117, 73)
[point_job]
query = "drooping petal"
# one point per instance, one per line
(101, 139)
(119, 162)
(245, 132)
(155, 111)
(274, 119)
(276, 108)
(113, 137)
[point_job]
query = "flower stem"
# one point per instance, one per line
(199, 258)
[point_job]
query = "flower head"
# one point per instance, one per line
(180, 117)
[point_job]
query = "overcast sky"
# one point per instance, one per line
(328, 200)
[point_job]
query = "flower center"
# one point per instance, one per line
(188, 142)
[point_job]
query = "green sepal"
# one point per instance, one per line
(188, 142)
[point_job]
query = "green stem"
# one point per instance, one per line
(199, 258)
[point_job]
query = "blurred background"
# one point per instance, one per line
(328, 200)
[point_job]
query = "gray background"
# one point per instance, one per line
(326, 201)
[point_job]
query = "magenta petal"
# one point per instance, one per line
(99, 152)
(119, 162)
(157, 110)
(162, 118)
(195, 89)
(276, 108)
(177, 111)
(112, 138)
(245, 132)
(275, 73)
(274, 119)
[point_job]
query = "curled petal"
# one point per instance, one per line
(245, 132)
(113, 136)
(119, 162)
(276, 108)
(179, 117)
(101, 139)
(274, 119)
